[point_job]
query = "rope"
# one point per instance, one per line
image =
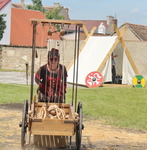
(55, 112)
(42, 112)
(52, 112)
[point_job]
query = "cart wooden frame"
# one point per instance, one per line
(52, 127)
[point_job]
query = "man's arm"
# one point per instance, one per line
(37, 77)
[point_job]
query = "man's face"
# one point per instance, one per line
(53, 60)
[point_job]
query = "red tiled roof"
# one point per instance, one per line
(89, 24)
(21, 28)
(3, 3)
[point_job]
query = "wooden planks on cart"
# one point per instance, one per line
(58, 127)
(53, 127)
(50, 141)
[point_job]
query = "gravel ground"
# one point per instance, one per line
(96, 134)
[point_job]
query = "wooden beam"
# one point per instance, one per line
(85, 30)
(69, 22)
(127, 52)
(110, 52)
(108, 55)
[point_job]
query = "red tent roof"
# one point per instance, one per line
(21, 28)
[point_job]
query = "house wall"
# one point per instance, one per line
(129, 36)
(64, 12)
(138, 51)
(6, 36)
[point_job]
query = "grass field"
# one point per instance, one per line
(119, 106)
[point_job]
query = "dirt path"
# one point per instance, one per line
(96, 135)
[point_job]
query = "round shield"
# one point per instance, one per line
(94, 79)
(139, 81)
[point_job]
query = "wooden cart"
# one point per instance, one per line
(57, 130)
(51, 131)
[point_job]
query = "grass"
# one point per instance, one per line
(14, 93)
(123, 107)
(10, 70)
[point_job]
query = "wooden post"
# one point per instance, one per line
(127, 52)
(108, 55)
(119, 39)
(33, 60)
(85, 30)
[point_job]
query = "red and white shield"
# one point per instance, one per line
(94, 79)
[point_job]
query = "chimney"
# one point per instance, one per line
(22, 3)
(112, 24)
(56, 4)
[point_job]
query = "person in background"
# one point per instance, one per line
(51, 79)
(113, 69)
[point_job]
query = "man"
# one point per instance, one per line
(113, 69)
(51, 79)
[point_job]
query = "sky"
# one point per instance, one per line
(130, 11)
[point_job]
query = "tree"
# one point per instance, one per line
(2, 25)
(37, 5)
(54, 13)
(51, 14)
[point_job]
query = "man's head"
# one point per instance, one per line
(53, 55)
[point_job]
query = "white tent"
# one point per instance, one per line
(96, 56)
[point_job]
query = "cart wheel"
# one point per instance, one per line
(24, 123)
(79, 127)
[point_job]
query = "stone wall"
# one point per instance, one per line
(16, 58)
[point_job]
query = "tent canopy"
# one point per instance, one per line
(92, 56)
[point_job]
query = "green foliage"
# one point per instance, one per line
(54, 13)
(37, 5)
(2, 25)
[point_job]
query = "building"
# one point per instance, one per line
(5, 8)
(63, 11)
(135, 38)
(16, 45)
(103, 28)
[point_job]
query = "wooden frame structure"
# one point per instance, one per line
(34, 21)
(119, 39)
(53, 128)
